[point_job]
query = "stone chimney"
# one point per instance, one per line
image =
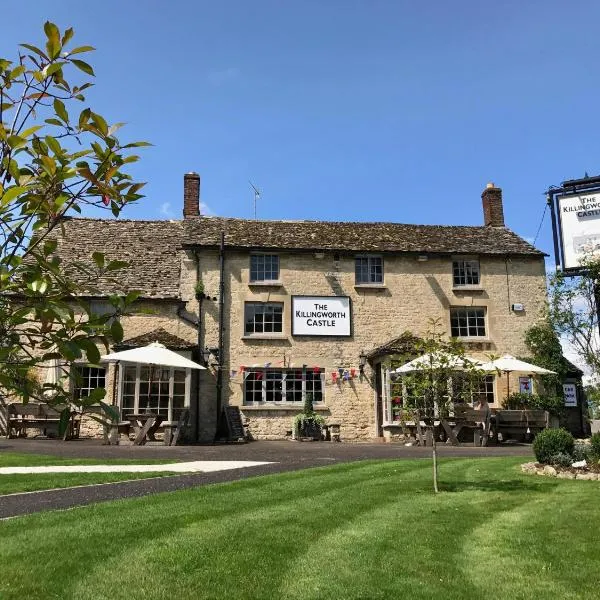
(493, 211)
(191, 195)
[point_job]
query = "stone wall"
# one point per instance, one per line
(414, 292)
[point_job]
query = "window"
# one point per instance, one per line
(264, 267)
(465, 272)
(161, 390)
(368, 269)
(283, 385)
(471, 390)
(467, 322)
(86, 379)
(263, 317)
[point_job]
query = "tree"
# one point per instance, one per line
(57, 157)
(573, 311)
(444, 376)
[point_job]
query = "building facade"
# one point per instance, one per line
(279, 310)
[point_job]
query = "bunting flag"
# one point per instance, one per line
(242, 369)
(316, 370)
(267, 365)
(346, 376)
(233, 373)
(258, 375)
(353, 373)
(334, 376)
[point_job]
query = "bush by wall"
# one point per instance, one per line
(595, 446)
(551, 442)
(518, 401)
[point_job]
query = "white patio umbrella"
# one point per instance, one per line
(510, 364)
(54, 377)
(438, 359)
(152, 354)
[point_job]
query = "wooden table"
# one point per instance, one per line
(145, 426)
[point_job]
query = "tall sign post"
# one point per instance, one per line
(575, 214)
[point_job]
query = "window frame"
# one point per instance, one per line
(273, 322)
(462, 262)
(260, 386)
(75, 387)
(137, 385)
(485, 334)
(369, 258)
(264, 279)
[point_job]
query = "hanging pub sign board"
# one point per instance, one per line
(321, 315)
(579, 218)
(570, 394)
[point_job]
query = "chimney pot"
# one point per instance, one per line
(493, 210)
(191, 195)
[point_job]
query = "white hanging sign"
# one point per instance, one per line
(579, 226)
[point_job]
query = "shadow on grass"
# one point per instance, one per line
(498, 485)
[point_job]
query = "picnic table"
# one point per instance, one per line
(145, 426)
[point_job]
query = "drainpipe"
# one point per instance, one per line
(221, 319)
(199, 342)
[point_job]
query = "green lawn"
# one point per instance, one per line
(10, 484)
(354, 531)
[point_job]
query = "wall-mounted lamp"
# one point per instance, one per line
(362, 361)
(208, 352)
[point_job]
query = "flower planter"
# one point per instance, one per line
(311, 430)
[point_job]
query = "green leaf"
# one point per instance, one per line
(53, 144)
(65, 417)
(116, 265)
(116, 331)
(53, 121)
(67, 36)
(83, 66)
(91, 350)
(60, 110)
(11, 194)
(81, 49)
(53, 44)
(35, 49)
(53, 68)
(98, 258)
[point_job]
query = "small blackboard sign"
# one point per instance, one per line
(234, 422)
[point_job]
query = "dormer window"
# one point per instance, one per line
(264, 267)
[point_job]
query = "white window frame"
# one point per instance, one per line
(264, 255)
(369, 258)
(485, 323)
(283, 401)
(74, 384)
(136, 401)
(264, 333)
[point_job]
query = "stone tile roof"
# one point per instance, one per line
(150, 247)
(355, 237)
(160, 335)
(404, 345)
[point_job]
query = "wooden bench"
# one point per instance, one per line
(518, 422)
(331, 432)
(172, 429)
(45, 418)
(464, 417)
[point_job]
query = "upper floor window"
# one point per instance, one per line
(467, 321)
(465, 272)
(263, 317)
(264, 267)
(369, 269)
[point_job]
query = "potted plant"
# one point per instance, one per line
(308, 424)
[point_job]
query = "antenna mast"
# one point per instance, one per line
(256, 196)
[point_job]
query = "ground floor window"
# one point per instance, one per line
(85, 379)
(283, 385)
(154, 389)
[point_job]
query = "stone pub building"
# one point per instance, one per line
(281, 309)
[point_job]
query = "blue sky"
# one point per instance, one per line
(344, 110)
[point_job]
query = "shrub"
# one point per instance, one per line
(519, 401)
(550, 442)
(595, 446)
(582, 452)
(561, 460)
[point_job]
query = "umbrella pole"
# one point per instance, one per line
(507, 385)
